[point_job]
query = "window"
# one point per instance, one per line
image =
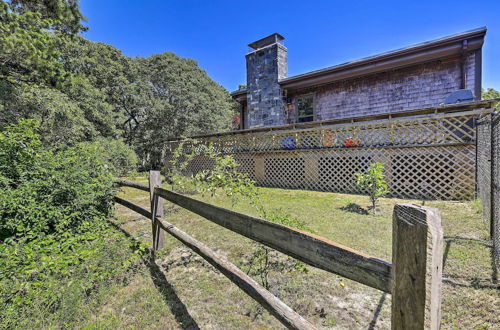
(305, 108)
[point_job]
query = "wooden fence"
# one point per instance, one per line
(414, 277)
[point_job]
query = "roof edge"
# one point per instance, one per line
(392, 55)
(239, 92)
(394, 59)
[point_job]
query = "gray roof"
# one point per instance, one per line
(422, 52)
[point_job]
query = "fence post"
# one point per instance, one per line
(156, 209)
(492, 178)
(495, 187)
(417, 262)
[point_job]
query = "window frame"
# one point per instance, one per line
(313, 96)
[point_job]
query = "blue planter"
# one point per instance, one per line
(288, 143)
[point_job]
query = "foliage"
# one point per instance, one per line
(224, 177)
(117, 154)
(34, 82)
(28, 49)
(44, 192)
(262, 256)
(87, 104)
(491, 93)
(31, 32)
(53, 278)
(185, 102)
(373, 182)
(62, 122)
(177, 175)
(56, 247)
(106, 87)
(284, 218)
(65, 13)
(72, 85)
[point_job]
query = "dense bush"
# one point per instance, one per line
(117, 154)
(43, 192)
(57, 280)
(57, 249)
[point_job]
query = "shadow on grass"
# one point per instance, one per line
(474, 281)
(494, 260)
(474, 284)
(354, 208)
(479, 241)
(138, 219)
(161, 283)
(446, 251)
(373, 322)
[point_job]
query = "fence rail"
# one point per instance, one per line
(414, 279)
(275, 306)
(311, 249)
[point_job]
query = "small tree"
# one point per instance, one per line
(223, 177)
(373, 181)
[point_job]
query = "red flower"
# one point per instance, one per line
(349, 143)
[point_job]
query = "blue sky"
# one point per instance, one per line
(317, 33)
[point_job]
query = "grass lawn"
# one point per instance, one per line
(180, 290)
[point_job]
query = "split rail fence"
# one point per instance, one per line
(414, 278)
(428, 153)
(488, 175)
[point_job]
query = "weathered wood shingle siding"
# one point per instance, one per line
(418, 86)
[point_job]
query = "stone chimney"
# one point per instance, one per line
(266, 64)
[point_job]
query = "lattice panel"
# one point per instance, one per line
(337, 169)
(247, 166)
(433, 172)
(199, 164)
(428, 130)
(426, 157)
(443, 173)
(283, 172)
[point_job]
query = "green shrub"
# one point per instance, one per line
(118, 154)
(57, 249)
(57, 280)
(43, 192)
(373, 182)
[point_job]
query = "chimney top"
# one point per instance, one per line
(266, 41)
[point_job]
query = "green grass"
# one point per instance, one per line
(178, 289)
(185, 292)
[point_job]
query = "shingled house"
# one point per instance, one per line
(414, 77)
(413, 109)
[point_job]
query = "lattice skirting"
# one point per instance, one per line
(433, 172)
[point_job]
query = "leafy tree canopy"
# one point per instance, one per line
(81, 90)
(65, 15)
(491, 93)
(185, 101)
(28, 49)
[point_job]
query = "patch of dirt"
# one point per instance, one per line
(184, 259)
(349, 305)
